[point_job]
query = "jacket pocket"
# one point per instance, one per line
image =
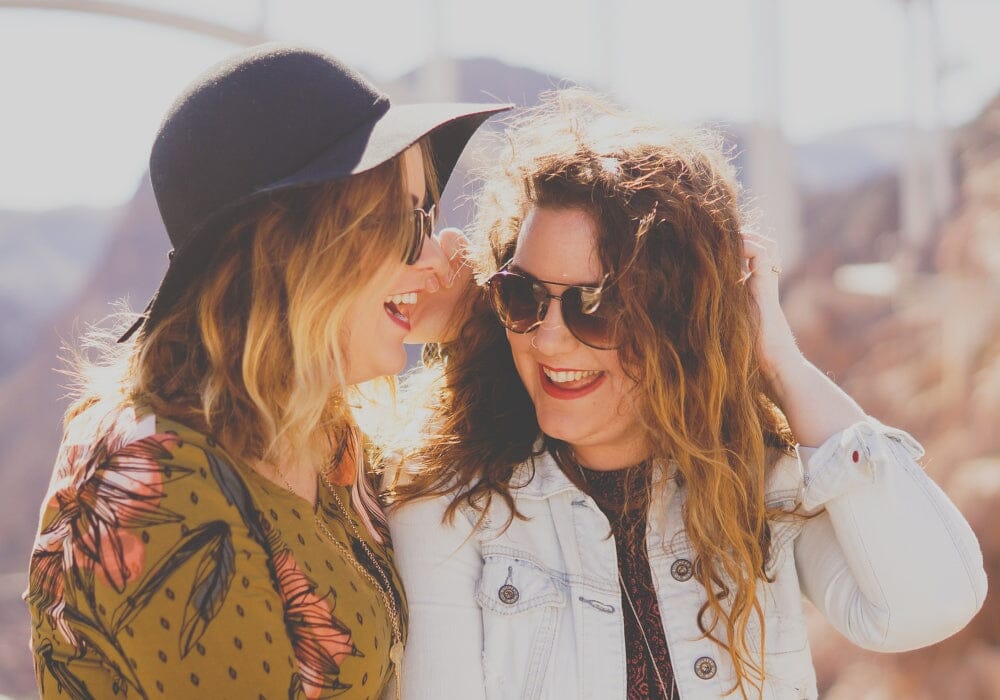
(788, 673)
(784, 621)
(787, 663)
(521, 606)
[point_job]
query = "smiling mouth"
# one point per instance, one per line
(397, 306)
(566, 378)
(570, 383)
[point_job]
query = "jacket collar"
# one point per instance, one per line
(540, 477)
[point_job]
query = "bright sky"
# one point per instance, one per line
(82, 95)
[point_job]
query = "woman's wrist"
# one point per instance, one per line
(782, 361)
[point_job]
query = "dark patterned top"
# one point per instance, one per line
(165, 568)
(623, 495)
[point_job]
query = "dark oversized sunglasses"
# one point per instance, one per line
(521, 302)
(423, 228)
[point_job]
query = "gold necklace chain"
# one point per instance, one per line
(385, 591)
(649, 648)
(638, 622)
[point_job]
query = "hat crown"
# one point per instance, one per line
(248, 122)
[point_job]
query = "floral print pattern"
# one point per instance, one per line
(98, 504)
(320, 640)
(157, 560)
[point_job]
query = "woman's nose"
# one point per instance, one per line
(552, 337)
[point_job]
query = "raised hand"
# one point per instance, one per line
(776, 344)
(435, 317)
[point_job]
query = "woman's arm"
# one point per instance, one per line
(815, 407)
(889, 560)
(440, 566)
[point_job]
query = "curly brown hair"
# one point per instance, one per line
(669, 224)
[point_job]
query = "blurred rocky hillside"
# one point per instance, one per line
(45, 258)
(925, 358)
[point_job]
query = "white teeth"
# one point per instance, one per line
(408, 298)
(568, 376)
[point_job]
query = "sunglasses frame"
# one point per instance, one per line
(543, 303)
(423, 228)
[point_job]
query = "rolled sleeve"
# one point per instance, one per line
(887, 557)
(852, 458)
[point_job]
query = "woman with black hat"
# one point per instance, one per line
(210, 528)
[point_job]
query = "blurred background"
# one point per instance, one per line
(867, 133)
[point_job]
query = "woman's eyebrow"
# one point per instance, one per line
(514, 267)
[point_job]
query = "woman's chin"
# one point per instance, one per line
(387, 364)
(395, 364)
(559, 430)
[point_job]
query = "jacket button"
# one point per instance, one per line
(508, 594)
(705, 668)
(681, 570)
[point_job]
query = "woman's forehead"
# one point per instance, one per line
(559, 245)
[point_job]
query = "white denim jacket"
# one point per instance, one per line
(889, 561)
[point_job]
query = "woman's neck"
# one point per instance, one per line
(299, 479)
(605, 458)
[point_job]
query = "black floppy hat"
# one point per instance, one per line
(275, 117)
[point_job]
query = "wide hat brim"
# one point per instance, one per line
(449, 126)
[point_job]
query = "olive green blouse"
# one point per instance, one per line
(164, 568)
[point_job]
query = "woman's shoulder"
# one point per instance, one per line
(142, 470)
(184, 463)
(143, 510)
(147, 489)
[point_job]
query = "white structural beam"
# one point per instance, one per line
(145, 14)
(926, 180)
(770, 168)
(438, 77)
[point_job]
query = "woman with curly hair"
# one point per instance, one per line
(212, 528)
(610, 501)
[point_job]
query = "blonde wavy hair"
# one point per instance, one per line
(669, 222)
(252, 352)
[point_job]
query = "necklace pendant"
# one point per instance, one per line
(396, 654)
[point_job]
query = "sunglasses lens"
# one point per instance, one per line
(521, 302)
(416, 241)
(589, 318)
(423, 227)
(514, 300)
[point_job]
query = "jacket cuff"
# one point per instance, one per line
(853, 458)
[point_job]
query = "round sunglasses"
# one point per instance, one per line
(521, 302)
(423, 228)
